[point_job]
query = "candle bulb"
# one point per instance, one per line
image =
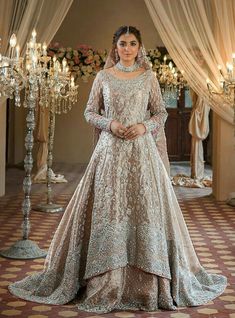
(44, 49)
(72, 81)
(64, 64)
(34, 33)
(165, 58)
(13, 40)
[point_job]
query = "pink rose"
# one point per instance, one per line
(50, 53)
(89, 59)
(76, 59)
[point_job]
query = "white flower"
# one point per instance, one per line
(83, 68)
(89, 69)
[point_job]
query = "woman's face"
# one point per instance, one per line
(127, 48)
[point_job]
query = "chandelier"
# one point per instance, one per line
(46, 83)
(60, 101)
(225, 87)
(171, 80)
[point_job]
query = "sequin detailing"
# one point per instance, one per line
(122, 242)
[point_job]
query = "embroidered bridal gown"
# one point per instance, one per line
(122, 242)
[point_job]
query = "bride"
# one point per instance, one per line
(122, 242)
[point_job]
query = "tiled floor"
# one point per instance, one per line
(211, 225)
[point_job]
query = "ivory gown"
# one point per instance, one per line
(123, 235)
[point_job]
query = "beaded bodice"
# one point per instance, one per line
(126, 100)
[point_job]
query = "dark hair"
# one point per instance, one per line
(123, 30)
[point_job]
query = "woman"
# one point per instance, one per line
(122, 242)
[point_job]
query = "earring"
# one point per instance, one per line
(116, 56)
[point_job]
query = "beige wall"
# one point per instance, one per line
(223, 158)
(94, 22)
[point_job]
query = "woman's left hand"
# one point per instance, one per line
(134, 131)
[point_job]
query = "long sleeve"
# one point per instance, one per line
(92, 112)
(157, 108)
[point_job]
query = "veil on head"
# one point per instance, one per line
(141, 59)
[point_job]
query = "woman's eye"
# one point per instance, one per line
(133, 44)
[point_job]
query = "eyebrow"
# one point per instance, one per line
(126, 41)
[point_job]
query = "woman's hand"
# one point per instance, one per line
(134, 131)
(117, 128)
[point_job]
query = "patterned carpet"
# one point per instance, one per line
(211, 225)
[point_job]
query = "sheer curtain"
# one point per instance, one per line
(20, 17)
(6, 10)
(199, 35)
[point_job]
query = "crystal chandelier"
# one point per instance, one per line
(171, 80)
(46, 83)
(60, 101)
(226, 85)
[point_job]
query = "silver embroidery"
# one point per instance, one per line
(122, 242)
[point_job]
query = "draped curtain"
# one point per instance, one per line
(199, 129)
(20, 17)
(199, 35)
(6, 11)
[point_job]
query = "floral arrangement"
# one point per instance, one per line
(84, 61)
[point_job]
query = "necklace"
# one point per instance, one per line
(123, 68)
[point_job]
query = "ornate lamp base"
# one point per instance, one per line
(49, 208)
(24, 249)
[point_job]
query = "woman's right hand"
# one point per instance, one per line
(117, 128)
